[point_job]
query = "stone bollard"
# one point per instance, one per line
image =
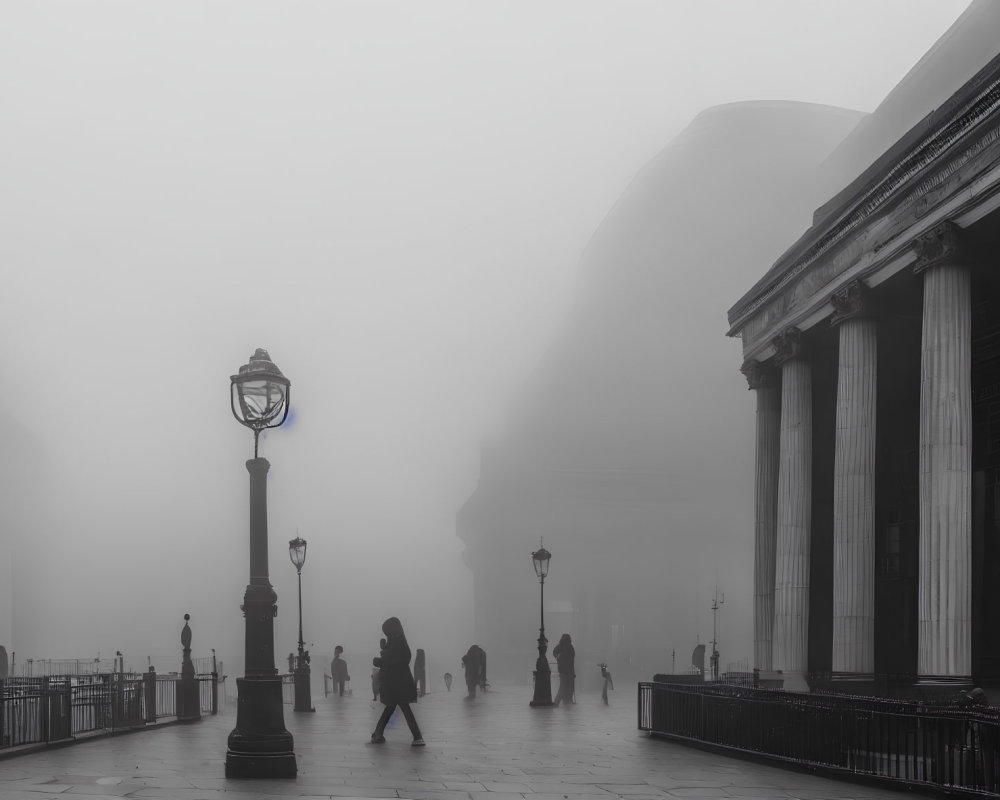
(188, 700)
(149, 692)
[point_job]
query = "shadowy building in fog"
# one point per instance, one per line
(873, 345)
(619, 450)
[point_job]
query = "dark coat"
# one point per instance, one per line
(338, 669)
(474, 662)
(565, 655)
(396, 680)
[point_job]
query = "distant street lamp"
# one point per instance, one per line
(259, 745)
(303, 691)
(543, 675)
(714, 660)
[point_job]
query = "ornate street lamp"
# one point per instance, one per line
(259, 745)
(259, 394)
(303, 691)
(543, 675)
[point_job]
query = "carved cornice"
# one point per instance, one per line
(941, 245)
(853, 301)
(788, 345)
(907, 175)
(759, 375)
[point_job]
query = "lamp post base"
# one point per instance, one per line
(188, 700)
(262, 765)
(259, 745)
(543, 684)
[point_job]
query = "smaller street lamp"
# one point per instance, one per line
(543, 675)
(303, 690)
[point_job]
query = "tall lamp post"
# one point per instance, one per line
(303, 691)
(259, 745)
(543, 675)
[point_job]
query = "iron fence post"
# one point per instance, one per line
(68, 707)
(45, 707)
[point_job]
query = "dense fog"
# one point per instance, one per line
(393, 199)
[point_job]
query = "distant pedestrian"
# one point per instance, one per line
(420, 673)
(375, 683)
(377, 674)
(608, 683)
(447, 681)
(397, 686)
(474, 663)
(565, 655)
(338, 671)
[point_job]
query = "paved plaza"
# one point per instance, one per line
(493, 748)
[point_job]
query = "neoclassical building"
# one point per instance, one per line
(873, 348)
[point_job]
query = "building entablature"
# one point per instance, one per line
(946, 170)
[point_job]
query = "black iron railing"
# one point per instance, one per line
(52, 708)
(942, 746)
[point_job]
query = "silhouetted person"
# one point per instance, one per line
(447, 681)
(377, 674)
(473, 662)
(419, 673)
(397, 686)
(608, 683)
(338, 671)
(565, 655)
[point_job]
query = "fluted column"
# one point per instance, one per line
(764, 380)
(945, 593)
(854, 486)
(791, 585)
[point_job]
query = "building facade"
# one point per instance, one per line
(613, 452)
(873, 348)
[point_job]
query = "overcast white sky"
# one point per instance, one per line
(390, 197)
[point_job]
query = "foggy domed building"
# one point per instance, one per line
(624, 451)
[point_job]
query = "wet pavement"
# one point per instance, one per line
(493, 748)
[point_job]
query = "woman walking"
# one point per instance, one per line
(473, 663)
(397, 687)
(565, 655)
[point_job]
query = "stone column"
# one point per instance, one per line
(945, 594)
(791, 584)
(854, 486)
(764, 380)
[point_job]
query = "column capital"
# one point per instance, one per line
(943, 244)
(759, 374)
(788, 345)
(851, 302)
